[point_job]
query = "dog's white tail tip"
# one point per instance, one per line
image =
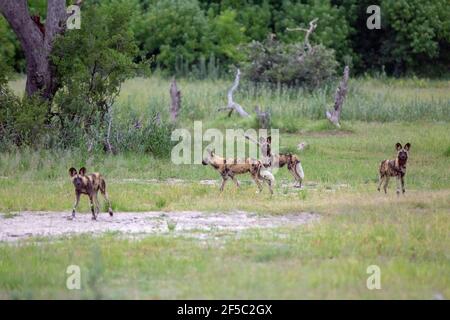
(300, 171)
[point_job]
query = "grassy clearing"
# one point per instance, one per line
(406, 238)
(39, 180)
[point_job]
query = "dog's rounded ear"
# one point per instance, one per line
(82, 171)
(72, 172)
(407, 146)
(398, 146)
(269, 139)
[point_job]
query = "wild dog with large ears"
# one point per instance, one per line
(230, 168)
(89, 185)
(395, 168)
(270, 159)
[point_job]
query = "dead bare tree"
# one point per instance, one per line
(36, 41)
(175, 97)
(232, 106)
(312, 27)
(263, 118)
(339, 97)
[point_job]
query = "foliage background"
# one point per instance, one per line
(188, 36)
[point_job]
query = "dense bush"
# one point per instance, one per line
(201, 36)
(22, 121)
(176, 32)
(92, 63)
(275, 62)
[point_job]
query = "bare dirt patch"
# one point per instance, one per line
(24, 225)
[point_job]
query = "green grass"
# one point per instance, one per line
(407, 236)
(369, 99)
(38, 180)
(407, 239)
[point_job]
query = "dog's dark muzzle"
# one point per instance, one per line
(78, 183)
(204, 163)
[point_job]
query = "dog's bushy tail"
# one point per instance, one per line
(299, 170)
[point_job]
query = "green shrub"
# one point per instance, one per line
(292, 65)
(150, 136)
(22, 121)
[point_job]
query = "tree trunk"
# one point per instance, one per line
(335, 114)
(175, 105)
(37, 42)
(263, 118)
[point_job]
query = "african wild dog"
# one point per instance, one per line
(229, 168)
(395, 168)
(89, 185)
(292, 161)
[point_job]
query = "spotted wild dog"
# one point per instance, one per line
(292, 161)
(395, 168)
(229, 168)
(89, 185)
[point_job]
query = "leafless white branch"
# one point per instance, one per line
(312, 27)
(233, 106)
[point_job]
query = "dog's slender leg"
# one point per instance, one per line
(297, 180)
(224, 180)
(269, 182)
(75, 205)
(91, 200)
(258, 183)
(97, 204)
(380, 181)
(403, 183)
(398, 185)
(386, 182)
(105, 195)
(236, 181)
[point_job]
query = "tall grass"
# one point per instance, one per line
(369, 99)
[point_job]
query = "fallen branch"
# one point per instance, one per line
(312, 27)
(233, 106)
(339, 97)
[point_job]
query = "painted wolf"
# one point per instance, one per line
(229, 168)
(292, 161)
(89, 185)
(395, 168)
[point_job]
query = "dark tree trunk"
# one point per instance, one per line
(335, 114)
(263, 118)
(37, 42)
(175, 98)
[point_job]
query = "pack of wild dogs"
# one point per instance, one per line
(259, 170)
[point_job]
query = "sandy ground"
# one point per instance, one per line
(22, 225)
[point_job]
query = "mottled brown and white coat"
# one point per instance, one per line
(395, 168)
(229, 168)
(292, 161)
(90, 185)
